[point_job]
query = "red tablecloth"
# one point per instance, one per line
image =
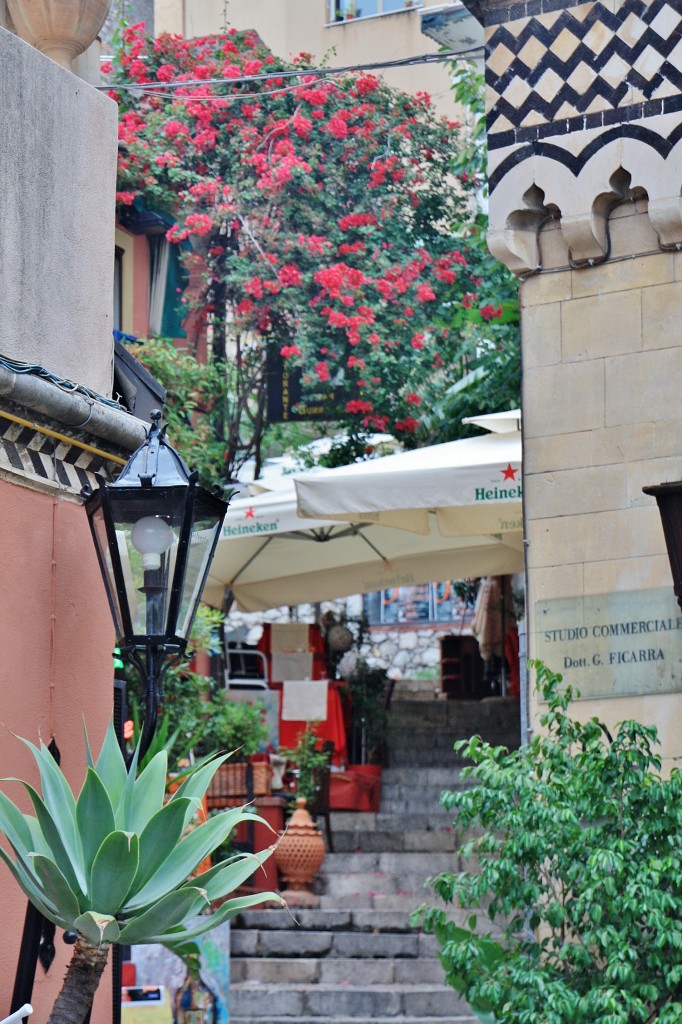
(332, 728)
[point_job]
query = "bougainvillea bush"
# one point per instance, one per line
(320, 213)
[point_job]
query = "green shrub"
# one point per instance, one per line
(576, 861)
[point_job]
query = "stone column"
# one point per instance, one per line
(585, 163)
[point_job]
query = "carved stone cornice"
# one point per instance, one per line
(584, 110)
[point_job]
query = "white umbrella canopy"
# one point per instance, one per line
(270, 557)
(472, 485)
(497, 422)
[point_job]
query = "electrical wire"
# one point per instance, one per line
(425, 58)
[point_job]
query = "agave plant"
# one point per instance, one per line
(114, 863)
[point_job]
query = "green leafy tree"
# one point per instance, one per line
(114, 864)
(485, 374)
(195, 403)
(576, 859)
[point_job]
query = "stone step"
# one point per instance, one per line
(398, 901)
(422, 740)
(391, 821)
(417, 689)
(385, 863)
(428, 841)
(431, 755)
(443, 776)
(451, 780)
(415, 804)
(323, 920)
(269, 1019)
(256, 942)
(468, 717)
(256, 1000)
(371, 883)
(335, 971)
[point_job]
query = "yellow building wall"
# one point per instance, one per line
(289, 27)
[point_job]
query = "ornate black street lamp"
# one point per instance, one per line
(669, 500)
(155, 531)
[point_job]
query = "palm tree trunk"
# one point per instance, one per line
(80, 984)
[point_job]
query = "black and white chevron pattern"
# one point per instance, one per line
(569, 69)
(47, 461)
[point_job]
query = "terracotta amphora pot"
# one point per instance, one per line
(61, 29)
(298, 856)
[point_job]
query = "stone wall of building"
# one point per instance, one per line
(406, 653)
(585, 139)
(58, 142)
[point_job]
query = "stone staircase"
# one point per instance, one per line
(356, 958)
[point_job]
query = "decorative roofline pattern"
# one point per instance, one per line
(45, 463)
(582, 96)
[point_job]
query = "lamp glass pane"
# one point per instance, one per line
(99, 531)
(148, 566)
(203, 539)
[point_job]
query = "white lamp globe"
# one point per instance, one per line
(151, 536)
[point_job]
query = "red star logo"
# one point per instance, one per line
(250, 513)
(509, 473)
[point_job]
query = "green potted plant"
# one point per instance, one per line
(239, 727)
(114, 863)
(235, 725)
(309, 763)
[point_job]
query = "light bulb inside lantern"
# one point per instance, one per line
(151, 536)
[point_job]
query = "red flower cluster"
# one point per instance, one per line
(358, 406)
(323, 218)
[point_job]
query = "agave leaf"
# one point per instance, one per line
(89, 759)
(12, 819)
(229, 876)
(226, 912)
(30, 887)
(189, 852)
(39, 843)
(97, 928)
(94, 815)
(16, 832)
(56, 887)
(148, 792)
(160, 836)
(71, 868)
(197, 782)
(59, 800)
(125, 801)
(111, 766)
(167, 913)
(189, 954)
(36, 841)
(113, 870)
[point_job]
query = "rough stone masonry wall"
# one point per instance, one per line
(407, 654)
(585, 150)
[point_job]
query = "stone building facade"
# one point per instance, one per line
(585, 139)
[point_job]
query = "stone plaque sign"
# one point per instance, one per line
(613, 645)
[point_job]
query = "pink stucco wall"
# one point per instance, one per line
(56, 639)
